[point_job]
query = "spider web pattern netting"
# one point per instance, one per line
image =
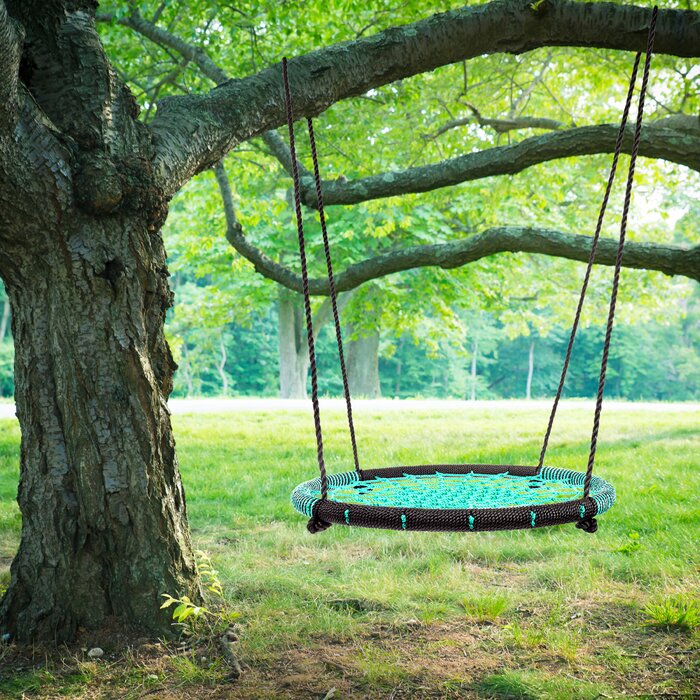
(456, 491)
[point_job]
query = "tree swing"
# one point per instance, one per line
(462, 497)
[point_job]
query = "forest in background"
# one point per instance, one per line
(483, 357)
(494, 327)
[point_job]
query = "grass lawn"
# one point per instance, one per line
(551, 613)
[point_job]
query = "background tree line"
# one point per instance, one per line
(481, 358)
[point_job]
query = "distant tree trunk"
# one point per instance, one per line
(186, 370)
(399, 366)
(4, 321)
(293, 351)
(530, 369)
(475, 352)
(222, 367)
(363, 365)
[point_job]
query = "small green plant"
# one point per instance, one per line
(532, 685)
(631, 545)
(487, 608)
(676, 611)
(208, 574)
(537, 4)
(195, 618)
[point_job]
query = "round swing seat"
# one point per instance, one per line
(454, 498)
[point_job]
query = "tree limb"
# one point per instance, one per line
(673, 139)
(164, 38)
(193, 132)
(499, 125)
(669, 259)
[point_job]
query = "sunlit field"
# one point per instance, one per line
(551, 613)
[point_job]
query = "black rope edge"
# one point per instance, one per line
(456, 519)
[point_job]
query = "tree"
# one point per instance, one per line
(84, 192)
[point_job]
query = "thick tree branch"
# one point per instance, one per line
(669, 259)
(263, 264)
(673, 139)
(193, 132)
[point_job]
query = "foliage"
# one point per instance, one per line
(7, 359)
(632, 544)
(435, 360)
(395, 127)
(199, 620)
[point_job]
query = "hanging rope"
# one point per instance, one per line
(591, 259)
(589, 524)
(620, 251)
(305, 286)
(315, 524)
(334, 299)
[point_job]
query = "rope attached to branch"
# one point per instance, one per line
(589, 524)
(315, 524)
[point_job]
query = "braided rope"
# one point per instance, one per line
(620, 251)
(334, 296)
(305, 285)
(591, 259)
(618, 258)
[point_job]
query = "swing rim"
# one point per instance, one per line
(329, 511)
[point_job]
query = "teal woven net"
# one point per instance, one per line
(456, 491)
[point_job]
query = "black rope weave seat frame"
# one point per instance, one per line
(312, 498)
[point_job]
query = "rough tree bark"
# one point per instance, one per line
(104, 526)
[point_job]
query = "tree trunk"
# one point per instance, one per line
(293, 352)
(530, 369)
(222, 368)
(399, 367)
(104, 526)
(475, 351)
(363, 365)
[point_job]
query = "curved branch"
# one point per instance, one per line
(164, 38)
(669, 259)
(193, 132)
(671, 139)
(500, 125)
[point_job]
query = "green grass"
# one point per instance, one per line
(677, 611)
(512, 685)
(535, 614)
